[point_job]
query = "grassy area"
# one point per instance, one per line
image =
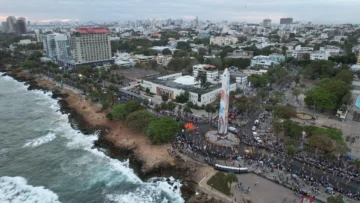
(218, 182)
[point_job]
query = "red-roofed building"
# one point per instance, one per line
(93, 30)
(212, 74)
(91, 45)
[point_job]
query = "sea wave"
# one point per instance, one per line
(17, 190)
(40, 140)
(117, 172)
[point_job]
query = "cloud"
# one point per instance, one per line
(319, 11)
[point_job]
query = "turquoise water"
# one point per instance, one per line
(43, 159)
(357, 104)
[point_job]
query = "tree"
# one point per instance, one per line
(210, 109)
(183, 97)
(230, 178)
(157, 109)
(258, 80)
(165, 97)
(321, 98)
(202, 51)
(162, 130)
(327, 144)
(147, 90)
(345, 75)
(202, 79)
(291, 129)
(139, 120)
(118, 112)
(296, 92)
(284, 112)
(179, 109)
(28, 64)
(335, 199)
(145, 102)
(183, 46)
(187, 110)
(277, 129)
(171, 106)
(291, 150)
(166, 52)
(121, 111)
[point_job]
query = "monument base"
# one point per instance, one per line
(227, 140)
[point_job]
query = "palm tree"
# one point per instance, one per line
(230, 178)
(179, 109)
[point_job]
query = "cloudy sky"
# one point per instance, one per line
(316, 11)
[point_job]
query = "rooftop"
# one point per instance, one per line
(93, 30)
(190, 88)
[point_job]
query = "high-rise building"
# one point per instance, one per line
(56, 46)
(21, 26)
(286, 21)
(11, 21)
(91, 45)
(267, 22)
(38, 35)
(4, 26)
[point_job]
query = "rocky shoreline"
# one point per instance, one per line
(178, 171)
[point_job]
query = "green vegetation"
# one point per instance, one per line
(328, 140)
(230, 178)
(178, 64)
(285, 112)
(218, 182)
(183, 97)
(329, 94)
(139, 120)
(291, 150)
(121, 111)
(258, 80)
(335, 199)
(162, 130)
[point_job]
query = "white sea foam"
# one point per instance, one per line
(40, 140)
(16, 190)
(154, 190)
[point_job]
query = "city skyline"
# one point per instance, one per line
(321, 11)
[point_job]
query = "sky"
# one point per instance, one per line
(252, 11)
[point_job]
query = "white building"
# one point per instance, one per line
(164, 59)
(266, 61)
(212, 74)
(300, 48)
(175, 84)
(319, 55)
(324, 36)
(56, 46)
(241, 80)
(223, 41)
(25, 42)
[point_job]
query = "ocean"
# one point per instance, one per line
(43, 159)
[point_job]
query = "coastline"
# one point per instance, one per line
(116, 139)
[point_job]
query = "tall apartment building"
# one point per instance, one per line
(267, 22)
(91, 45)
(56, 46)
(286, 21)
(4, 26)
(11, 21)
(21, 26)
